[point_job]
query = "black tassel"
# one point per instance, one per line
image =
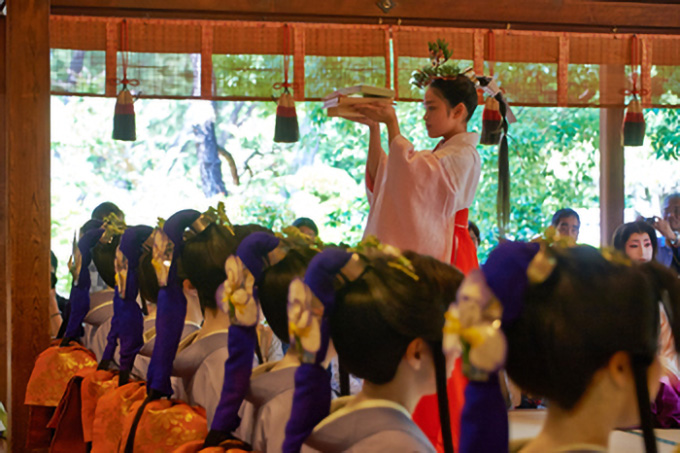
(286, 130)
(124, 117)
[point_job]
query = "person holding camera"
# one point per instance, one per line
(669, 226)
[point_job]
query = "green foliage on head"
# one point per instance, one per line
(439, 55)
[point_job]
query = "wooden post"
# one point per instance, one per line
(26, 199)
(3, 219)
(612, 195)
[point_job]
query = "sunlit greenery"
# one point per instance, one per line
(554, 159)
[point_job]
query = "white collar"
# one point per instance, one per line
(462, 139)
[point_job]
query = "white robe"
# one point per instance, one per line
(416, 194)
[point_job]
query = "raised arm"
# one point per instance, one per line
(375, 151)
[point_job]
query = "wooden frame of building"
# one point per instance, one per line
(25, 122)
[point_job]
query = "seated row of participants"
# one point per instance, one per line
(231, 337)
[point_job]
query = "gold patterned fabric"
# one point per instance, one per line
(197, 447)
(165, 425)
(111, 410)
(93, 387)
(52, 372)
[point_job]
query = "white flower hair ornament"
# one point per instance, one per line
(121, 267)
(162, 249)
(304, 321)
(235, 295)
(473, 329)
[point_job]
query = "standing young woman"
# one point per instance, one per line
(419, 199)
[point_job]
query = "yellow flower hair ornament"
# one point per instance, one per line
(235, 295)
(473, 329)
(121, 266)
(304, 321)
(75, 261)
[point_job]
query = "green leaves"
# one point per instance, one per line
(662, 129)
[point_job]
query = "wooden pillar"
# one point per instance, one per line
(612, 194)
(3, 218)
(26, 199)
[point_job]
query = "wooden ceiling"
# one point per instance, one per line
(644, 16)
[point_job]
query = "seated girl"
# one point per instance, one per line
(385, 315)
(270, 395)
(582, 329)
(201, 355)
(638, 241)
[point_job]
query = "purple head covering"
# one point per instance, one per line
(242, 342)
(484, 420)
(312, 396)
(127, 324)
(80, 290)
(171, 309)
(131, 320)
(506, 275)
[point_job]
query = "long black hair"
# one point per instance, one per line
(104, 256)
(203, 258)
(378, 315)
(273, 288)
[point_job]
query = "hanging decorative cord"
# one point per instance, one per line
(495, 132)
(491, 48)
(286, 61)
(286, 129)
(125, 56)
(633, 130)
(124, 116)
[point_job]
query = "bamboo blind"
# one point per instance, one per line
(196, 59)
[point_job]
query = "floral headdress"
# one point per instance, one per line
(235, 295)
(439, 55)
(473, 324)
(473, 329)
(304, 321)
(75, 261)
(162, 249)
(121, 266)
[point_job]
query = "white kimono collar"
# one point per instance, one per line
(464, 138)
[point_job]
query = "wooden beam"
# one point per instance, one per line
(28, 198)
(612, 194)
(3, 219)
(561, 15)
